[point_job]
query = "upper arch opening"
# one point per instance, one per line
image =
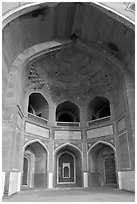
(99, 107)
(67, 112)
(38, 105)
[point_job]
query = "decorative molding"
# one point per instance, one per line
(64, 134)
(130, 6)
(26, 140)
(20, 111)
(19, 120)
(121, 124)
(78, 145)
(67, 144)
(36, 130)
(29, 139)
(99, 132)
(92, 145)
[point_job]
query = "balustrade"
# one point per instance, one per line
(37, 118)
(73, 124)
(99, 120)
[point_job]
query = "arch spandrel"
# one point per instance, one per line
(101, 142)
(60, 146)
(31, 141)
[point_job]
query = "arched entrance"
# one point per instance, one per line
(68, 165)
(101, 164)
(34, 166)
(110, 171)
(66, 170)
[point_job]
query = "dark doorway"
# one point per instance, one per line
(102, 169)
(35, 166)
(110, 173)
(25, 172)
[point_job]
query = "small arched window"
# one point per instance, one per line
(67, 112)
(99, 107)
(38, 105)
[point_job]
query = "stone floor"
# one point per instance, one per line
(96, 194)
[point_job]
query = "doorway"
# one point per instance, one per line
(66, 172)
(34, 166)
(25, 180)
(101, 164)
(110, 172)
(68, 165)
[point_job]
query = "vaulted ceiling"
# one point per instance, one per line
(70, 72)
(65, 20)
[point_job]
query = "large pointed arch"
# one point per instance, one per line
(38, 164)
(76, 170)
(96, 157)
(33, 141)
(67, 144)
(58, 158)
(102, 142)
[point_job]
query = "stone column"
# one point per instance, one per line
(51, 160)
(85, 177)
(50, 180)
(84, 165)
(52, 114)
(83, 116)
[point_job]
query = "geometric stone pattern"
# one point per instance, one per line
(33, 78)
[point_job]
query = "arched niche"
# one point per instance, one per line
(67, 112)
(69, 159)
(101, 165)
(99, 107)
(66, 168)
(34, 166)
(38, 105)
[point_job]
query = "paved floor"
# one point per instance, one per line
(97, 194)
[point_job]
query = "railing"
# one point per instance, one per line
(99, 120)
(37, 118)
(74, 124)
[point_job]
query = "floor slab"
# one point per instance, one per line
(96, 194)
